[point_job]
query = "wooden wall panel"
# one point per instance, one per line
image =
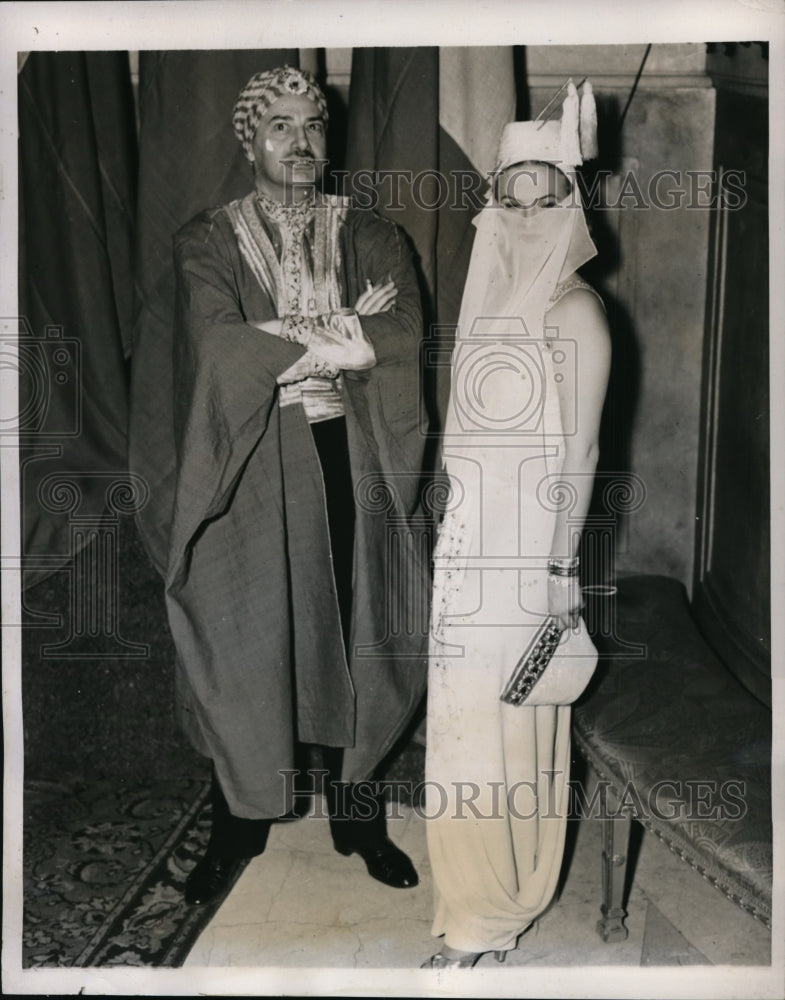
(731, 591)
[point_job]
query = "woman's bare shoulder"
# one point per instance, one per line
(579, 315)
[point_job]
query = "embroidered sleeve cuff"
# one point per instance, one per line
(308, 366)
(298, 329)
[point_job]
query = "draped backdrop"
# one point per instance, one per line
(100, 200)
(436, 115)
(77, 184)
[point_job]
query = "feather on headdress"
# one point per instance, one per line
(565, 143)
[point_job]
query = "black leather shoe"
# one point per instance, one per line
(210, 879)
(385, 862)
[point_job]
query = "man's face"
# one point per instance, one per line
(289, 148)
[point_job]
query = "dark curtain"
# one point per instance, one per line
(433, 116)
(190, 160)
(77, 170)
(394, 128)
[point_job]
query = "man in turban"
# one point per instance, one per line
(294, 577)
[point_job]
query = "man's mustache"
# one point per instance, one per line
(300, 157)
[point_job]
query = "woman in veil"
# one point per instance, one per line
(529, 375)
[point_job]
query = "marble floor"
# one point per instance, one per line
(301, 906)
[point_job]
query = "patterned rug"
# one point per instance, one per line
(104, 870)
(105, 864)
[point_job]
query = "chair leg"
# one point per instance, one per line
(615, 851)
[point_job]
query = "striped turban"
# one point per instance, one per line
(262, 90)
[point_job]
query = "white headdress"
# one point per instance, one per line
(565, 143)
(519, 258)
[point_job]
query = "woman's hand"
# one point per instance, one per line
(376, 300)
(565, 600)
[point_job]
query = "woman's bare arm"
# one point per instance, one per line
(579, 317)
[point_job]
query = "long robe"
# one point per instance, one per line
(249, 587)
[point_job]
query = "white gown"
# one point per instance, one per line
(497, 775)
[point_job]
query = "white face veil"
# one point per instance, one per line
(517, 261)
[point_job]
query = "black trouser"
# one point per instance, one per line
(354, 815)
